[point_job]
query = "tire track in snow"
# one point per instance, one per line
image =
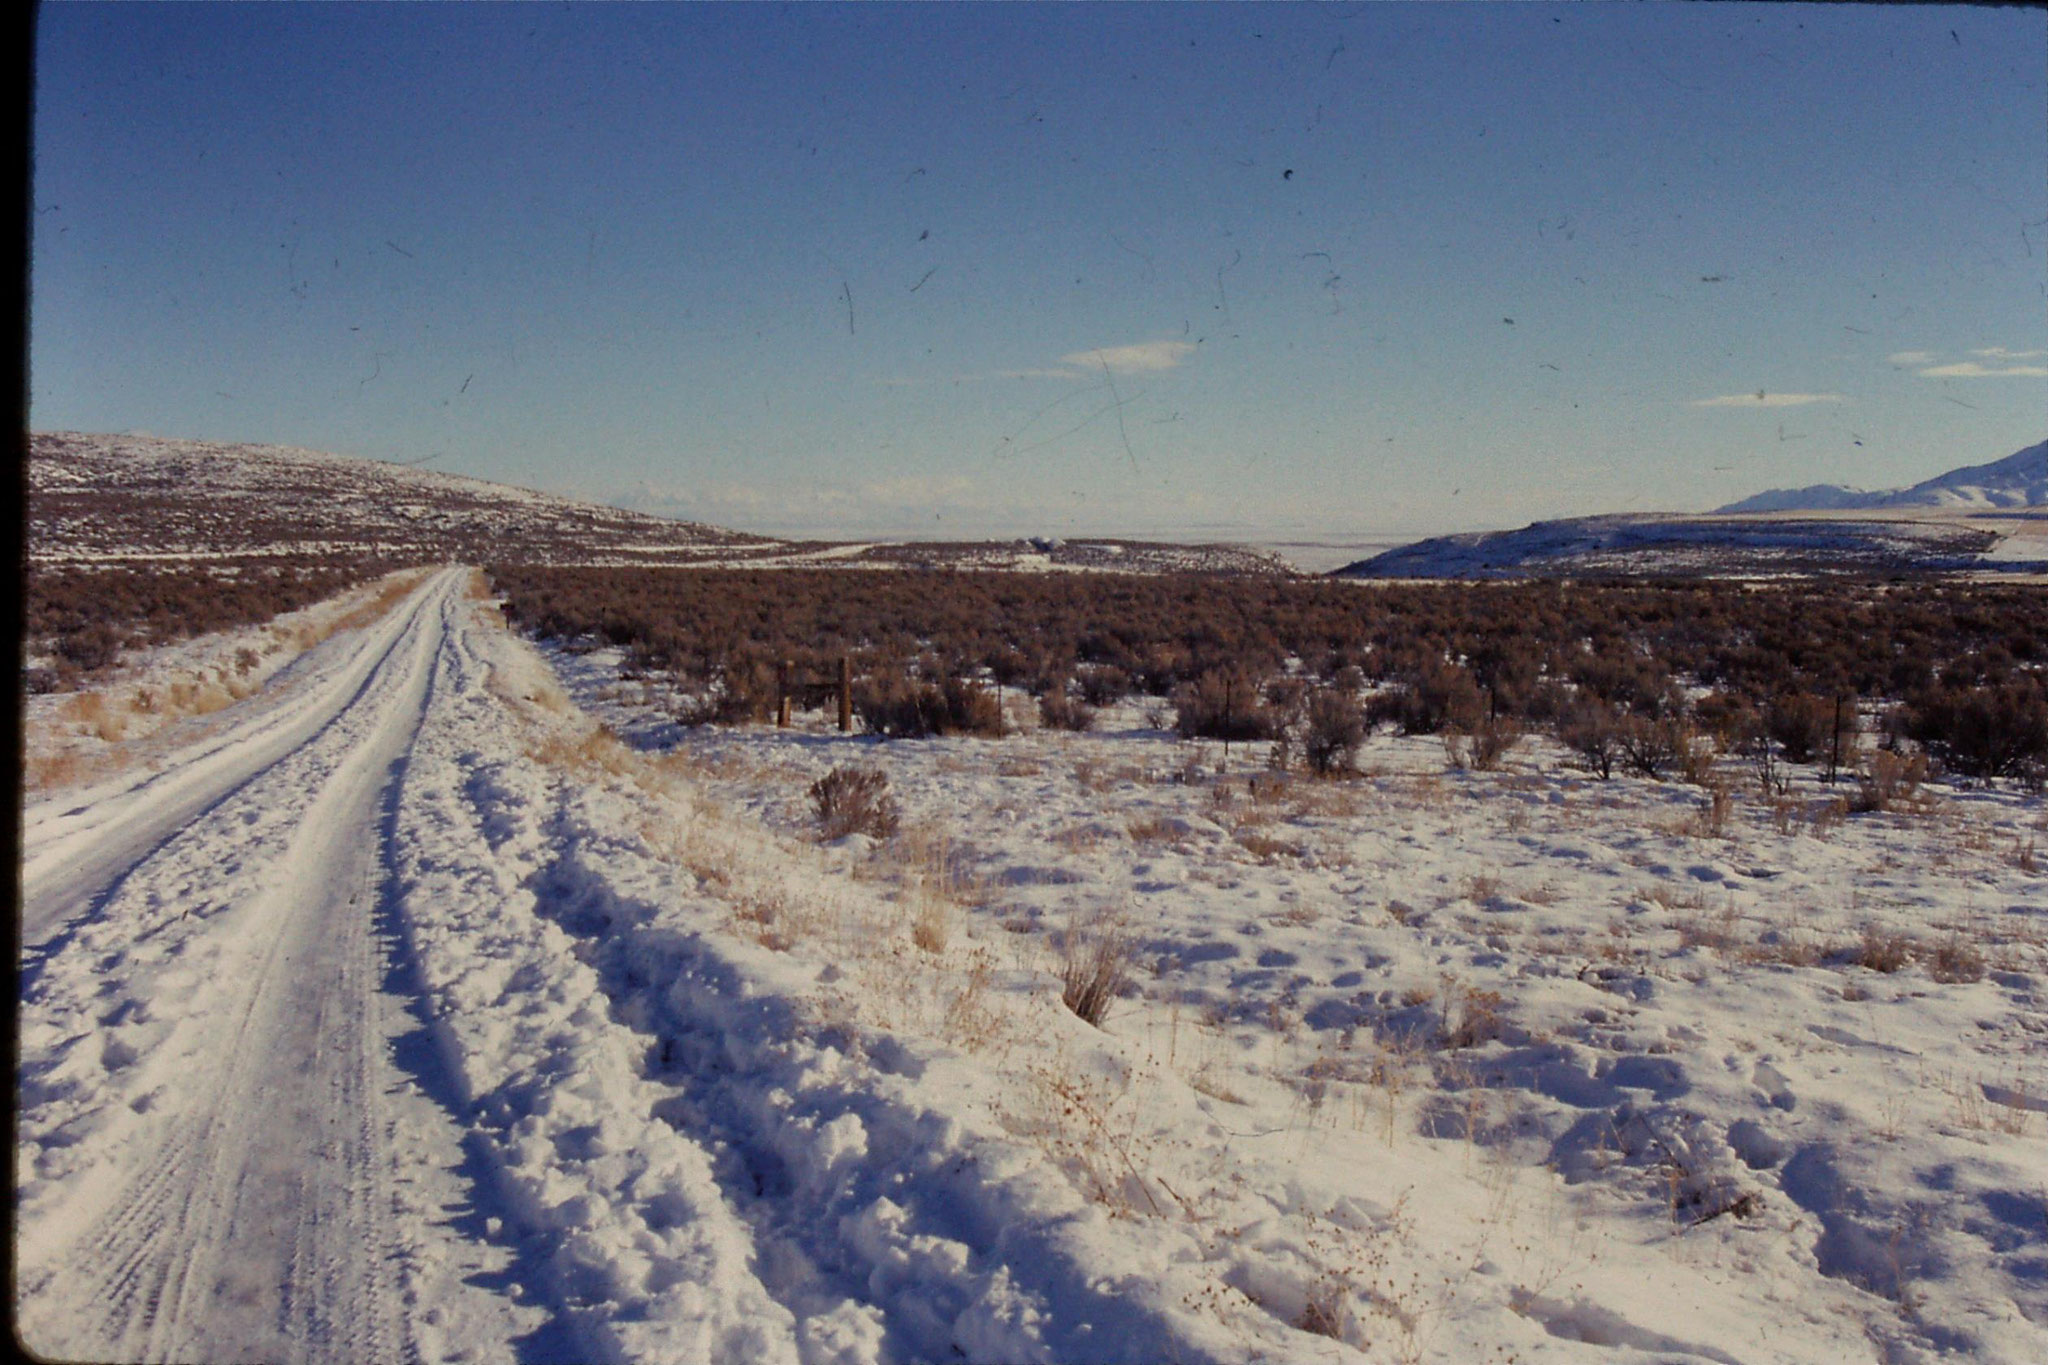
(261, 1218)
(79, 846)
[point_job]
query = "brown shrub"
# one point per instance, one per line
(899, 707)
(1334, 729)
(1484, 745)
(854, 801)
(1592, 731)
(1888, 781)
(1225, 705)
(1058, 711)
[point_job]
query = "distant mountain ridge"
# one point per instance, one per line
(2018, 480)
(126, 499)
(1958, 522)
(118, 498)
(1628, 545)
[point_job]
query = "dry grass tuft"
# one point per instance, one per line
(45, 771)
(1721, 932)
(1095, 962)
(1481, 887)
(394, 590)
(932, 925)
(599, 752)
(1154, 829)
(1266, 848)
(1075, 838)
(1883, 952)
(1955, 960)
(96, 714)
(1479, 1016)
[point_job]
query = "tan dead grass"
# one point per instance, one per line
(1267, 849)
(119, 719)
(1883, 950)
(600, 751)
(1155, 829)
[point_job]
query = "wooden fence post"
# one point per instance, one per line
(782, 695)
(1835, 753)
(845, 694)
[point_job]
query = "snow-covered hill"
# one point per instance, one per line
(2018, 480)
(99, 498)
(1972, 519)
(1677, 546)
(102, 499)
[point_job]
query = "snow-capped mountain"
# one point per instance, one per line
(1928, 528)
(2018, 480)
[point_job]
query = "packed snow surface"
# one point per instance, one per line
(403, 1011)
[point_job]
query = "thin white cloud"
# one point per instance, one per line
(1929, 365)
(1970, 369)
(983, 377)
(1762, 399)
(1046, 373)
(1147, 357)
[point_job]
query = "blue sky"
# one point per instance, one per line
(992, 270)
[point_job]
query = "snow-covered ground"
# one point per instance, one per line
(1465, 1066)
(402, 1011)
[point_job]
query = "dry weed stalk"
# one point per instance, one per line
(1711, 820)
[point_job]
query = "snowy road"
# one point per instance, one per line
(233, 1162)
